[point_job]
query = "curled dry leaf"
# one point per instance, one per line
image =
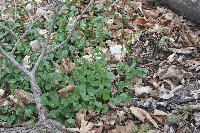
(65, 92)
(142, 115)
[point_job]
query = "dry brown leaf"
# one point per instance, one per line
(124, 129)
(142, 115)
(172, 71)
(110, 23)
(159, 112)
(86, 127)
(117, 33)
(108, 118)
(68, 65)
(66, 91)
(136, 5)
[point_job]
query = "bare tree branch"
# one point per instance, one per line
(44, 47)
(2, 36)
(19, 39)
(41, 56)
(13, 61)
(43, 112)
(25, 33)
(9, 30)
(71, 29)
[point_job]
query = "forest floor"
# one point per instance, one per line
(167, 46)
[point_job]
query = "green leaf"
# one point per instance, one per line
(100, 6)
(106, 94)
(54, 113)
(44, 99)
(29, 112)
(98, 104)
(105, 109)
(125, 97)
(70, 122)
(110, 75)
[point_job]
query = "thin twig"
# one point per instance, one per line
(13, 61)
(44, 47)
(19, 39)
(25, 33)
(2, 36)
(9, 30)
(71, 30)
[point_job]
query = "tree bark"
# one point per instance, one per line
(188, 8)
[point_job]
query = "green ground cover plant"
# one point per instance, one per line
(93, 79)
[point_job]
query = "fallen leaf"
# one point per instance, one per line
(142, 115)
(68, 65)
(172, 71)
(159, 112)
(124, 129)
(66, 91)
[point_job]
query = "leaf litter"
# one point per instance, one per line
(166, 45)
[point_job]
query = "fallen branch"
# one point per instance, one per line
(71, 30)
(44, 124)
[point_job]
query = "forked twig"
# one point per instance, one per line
(71, 30)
